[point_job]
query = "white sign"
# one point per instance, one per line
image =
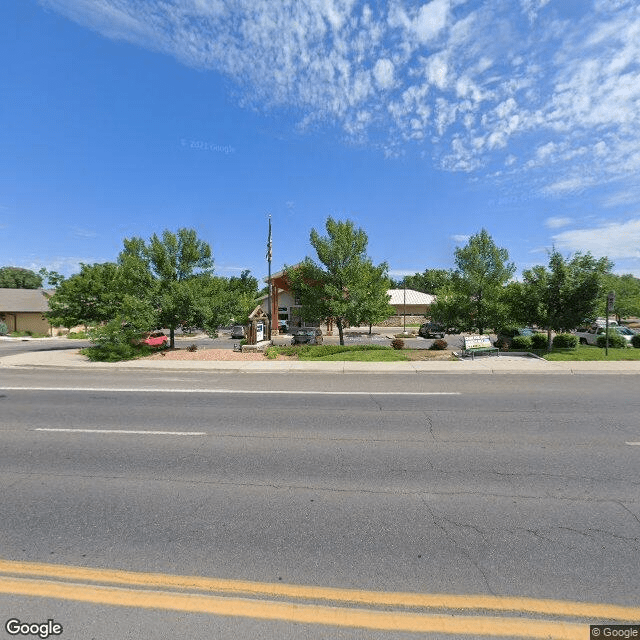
(260, 332)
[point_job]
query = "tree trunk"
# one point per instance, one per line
(549, 340)
(339, 323)
(370, 327)
(172, 341)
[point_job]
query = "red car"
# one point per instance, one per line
(156, 339)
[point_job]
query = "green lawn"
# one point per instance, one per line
(589, 353)
(377, 355)
(357, 353)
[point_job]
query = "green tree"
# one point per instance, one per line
(429, 281)
(163, 271)
(89, 297)
(627, 298)
(475, 289)
(52, 278)
(342, 284)
(560, 297)
(19, 278)
(375, 305)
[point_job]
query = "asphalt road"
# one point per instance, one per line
(523, 486)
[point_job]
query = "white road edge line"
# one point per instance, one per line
(633, 444)
(238, 391)
(128, 432)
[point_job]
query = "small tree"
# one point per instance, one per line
(375, 306)
(473, 298)
(345, 286)
(89, 297)
(561, 296)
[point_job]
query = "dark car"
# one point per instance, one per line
(432, 330)
(238, 332)
(307, 335)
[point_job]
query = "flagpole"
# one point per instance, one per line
(269, 250)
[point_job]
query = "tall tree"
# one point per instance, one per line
(482, 270)
(166, 266)
(19, 278)
(341, 285)
(561, 296)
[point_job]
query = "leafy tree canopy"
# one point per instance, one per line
(561, 296)
(473, 297)
(19, 278)
(345, 285)
(429, 281)
(627, 295)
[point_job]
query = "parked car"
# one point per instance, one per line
(155, 339)
(432, 330)
(282, 326)
(589, 335)
(238, 332)
(306, 335)
(506, 334)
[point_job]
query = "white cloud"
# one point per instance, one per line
(616, 240)
(383, 73)
(481, 81)
(460, 238)
(66, 265)
(557, 223)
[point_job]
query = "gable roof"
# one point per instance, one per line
(24, 300)
(413, 297)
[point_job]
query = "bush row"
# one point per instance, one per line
(538, 341)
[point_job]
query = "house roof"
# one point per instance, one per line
(413, 297)
(24, 300)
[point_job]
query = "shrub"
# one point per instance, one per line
(438, 345)
(77, 335)
(635, 341)
(539, 341)
(616, 341)
(3, 329)
(398, 343)
(192, 347)
(502, 344)
(116, 352)
(565, 341)
(521, 343)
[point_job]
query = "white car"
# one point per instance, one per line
(591, 334)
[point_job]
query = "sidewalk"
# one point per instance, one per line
(505, 364)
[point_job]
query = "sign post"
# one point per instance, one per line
(611, 300)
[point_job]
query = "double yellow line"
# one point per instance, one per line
(221, 597)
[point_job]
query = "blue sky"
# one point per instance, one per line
(423, 122)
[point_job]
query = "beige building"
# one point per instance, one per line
(24, 309)
(407, 302)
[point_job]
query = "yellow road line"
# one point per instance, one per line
(302, 592)
(299, 613)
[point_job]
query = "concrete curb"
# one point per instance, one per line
(71, 359)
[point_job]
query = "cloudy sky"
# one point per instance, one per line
(422, 122)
